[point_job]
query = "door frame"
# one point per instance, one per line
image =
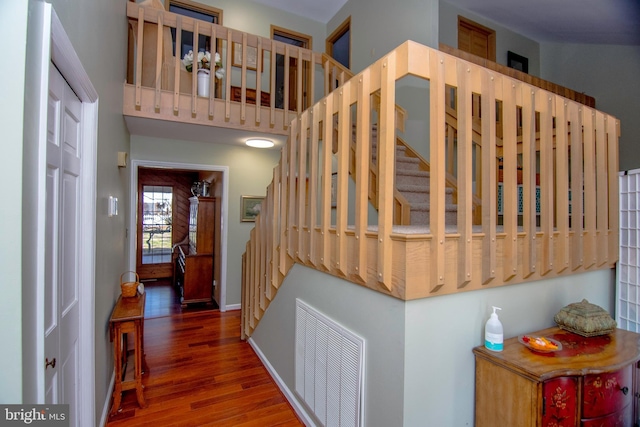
(133, 211)
(57, 49)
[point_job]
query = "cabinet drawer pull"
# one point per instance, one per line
(625, 390)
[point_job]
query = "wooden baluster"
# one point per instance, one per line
(212, 75)
(257, 273)
(313, 185)
(437, 175)
(194, 70)
(509, 185)
(465, 171)
(344, 138)
(602, 194)
(545, 105)
(139, 58)
(283, 218)
(159, 50)
(613, 133)
(293, 181)
(243, 80)
(588, 134)
(489, 187)
(562, 186)
(259, 81)
(276, 226)
(302, 188)
(287, 77)
(227, 80)
(178, 66)
(577, 188)
(386, 168)
(299, 68)
(363, 139)
(272, 100)
(327, 156)
(529, 250)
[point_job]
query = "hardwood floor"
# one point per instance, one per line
(201, 374)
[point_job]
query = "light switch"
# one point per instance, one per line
(112, 209)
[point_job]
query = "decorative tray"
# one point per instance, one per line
(540, 344)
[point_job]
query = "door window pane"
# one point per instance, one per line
(157, 215)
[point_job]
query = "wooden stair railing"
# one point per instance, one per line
(296, 224)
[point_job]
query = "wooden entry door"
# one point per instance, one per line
(476, 39)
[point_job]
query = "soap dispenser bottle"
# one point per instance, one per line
(493, 337)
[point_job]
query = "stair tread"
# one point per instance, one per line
(425, 207)
(415, 188)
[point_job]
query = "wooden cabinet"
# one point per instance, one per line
(590, 382)
(195, 270)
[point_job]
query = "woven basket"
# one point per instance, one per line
(129, 289)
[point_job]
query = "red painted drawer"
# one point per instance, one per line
(604, 394)
(623, 418)
(560, 402)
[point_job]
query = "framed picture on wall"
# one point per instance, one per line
(250, 208)
(517, 62)
(252, 56)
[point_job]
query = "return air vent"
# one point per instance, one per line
(329, 368)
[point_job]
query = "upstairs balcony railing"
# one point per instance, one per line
(266, 83)
(557, 213)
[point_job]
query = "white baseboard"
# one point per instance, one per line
(230, 307)
(300, 411)
(105, 408)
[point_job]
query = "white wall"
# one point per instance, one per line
(420, 369)
(609, 74)
(13, 26)
(250, 172)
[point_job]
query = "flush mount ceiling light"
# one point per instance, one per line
(259, 143)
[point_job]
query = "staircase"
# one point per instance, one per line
(412, 182)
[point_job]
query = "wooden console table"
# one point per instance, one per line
(590, 382)
(128, 318)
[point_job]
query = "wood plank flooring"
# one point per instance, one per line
(202, 374)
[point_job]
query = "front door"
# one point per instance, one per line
(62, 304)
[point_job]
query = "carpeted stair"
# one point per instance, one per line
(413, 184)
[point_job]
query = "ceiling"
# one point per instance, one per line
(614, 22)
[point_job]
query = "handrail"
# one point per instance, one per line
(571, 94)
(577, 235)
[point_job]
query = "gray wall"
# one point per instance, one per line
(377, 318)
(505, 38)
(379, 26)
(13, 26)
(418, 353)
(250, 172)
(608, 73)
(98, 32)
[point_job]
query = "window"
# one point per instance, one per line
(157, 218)
(295, 39)
(339, 44)
(196, 11)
